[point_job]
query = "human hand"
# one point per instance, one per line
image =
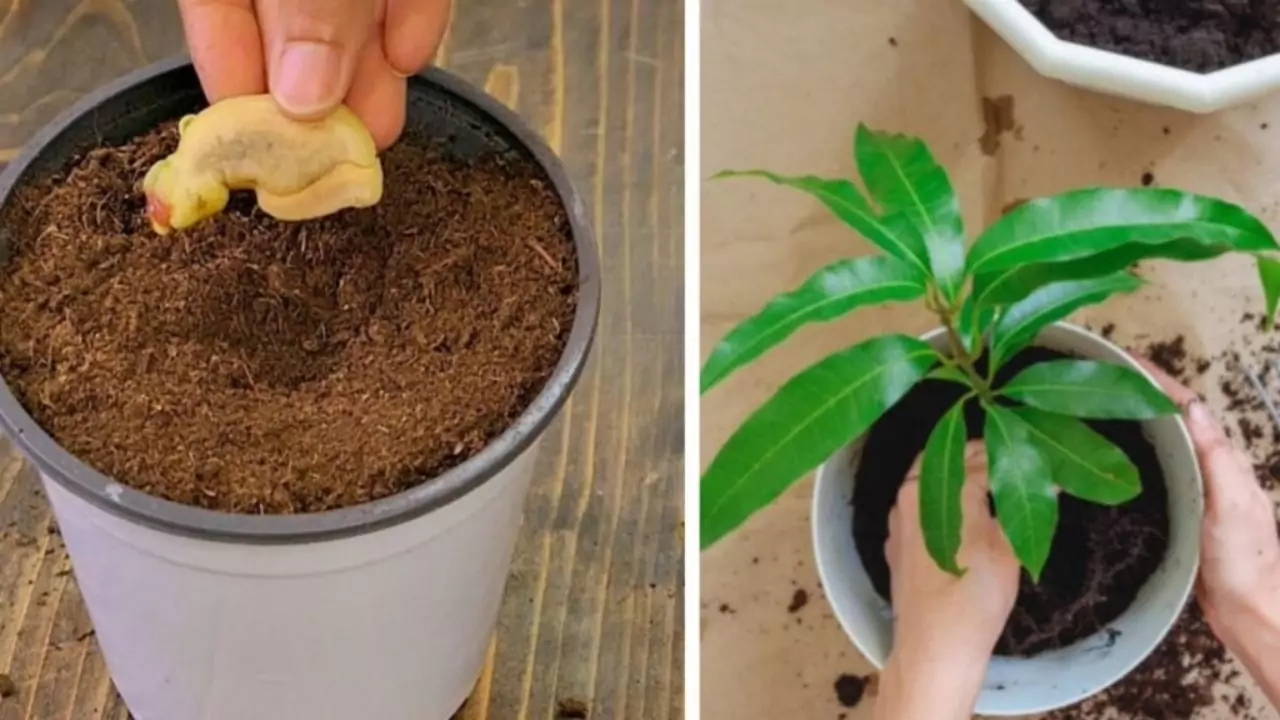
(313, 55)
(946, 627)
(938, 613)
(1239, 584)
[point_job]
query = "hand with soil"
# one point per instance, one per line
(314, 55)
(1239, 584)
(300, 169)
(946, 627)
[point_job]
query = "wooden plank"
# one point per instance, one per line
(594, 608)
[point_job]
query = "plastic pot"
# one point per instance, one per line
(1116, 74)
(1053, 679)
(383, 610)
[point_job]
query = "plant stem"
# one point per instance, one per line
(962, 357)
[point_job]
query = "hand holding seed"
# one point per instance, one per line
(300, 169)
(313, 55)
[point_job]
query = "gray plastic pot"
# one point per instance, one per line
(383, 610)
(1054, 679)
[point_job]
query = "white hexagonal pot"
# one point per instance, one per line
(1122, 75)
(1050, 680)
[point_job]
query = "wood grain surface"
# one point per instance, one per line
(593, 608)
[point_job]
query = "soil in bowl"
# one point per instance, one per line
(1196, 35)
(253, 366)
(1101, 556)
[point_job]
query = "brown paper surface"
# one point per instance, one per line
(783, 84)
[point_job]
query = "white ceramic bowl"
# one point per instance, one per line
(1054, 679)
(1122, 75)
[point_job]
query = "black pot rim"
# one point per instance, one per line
(72, 474)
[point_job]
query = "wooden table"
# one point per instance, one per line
(594, 606)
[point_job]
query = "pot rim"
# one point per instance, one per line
(823, 557)
(134, 506)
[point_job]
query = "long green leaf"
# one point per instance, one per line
(1084, 463)
(1023, 321)
(1009, 286)
(829, 293)
(843, 199)
(1089, 389)
(915, 194)
(974, 322)
(950, 373)
(811, 416)
(941, 479)
(1081, 223)
(1269, 273)
(1021, 484)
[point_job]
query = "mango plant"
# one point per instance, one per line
(1034, 266)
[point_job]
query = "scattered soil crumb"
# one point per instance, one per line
(8, 688)
(798, 600)
(1148, 178)
(1196, 35)
(849, 689)
(571, 709)
(1170, 355)
(727, 609)
(997, 118)
(344, 359)
(893, 41)
(1166, 130)
(1108, 331)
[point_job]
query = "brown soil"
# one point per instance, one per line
(253, 366)
(1101, 555)
(1197, 35)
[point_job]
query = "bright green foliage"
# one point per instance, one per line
(1033, 267)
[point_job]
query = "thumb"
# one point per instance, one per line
(1228, 476)
(312, 47)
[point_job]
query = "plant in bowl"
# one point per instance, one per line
(289, 459)
(1093, 477)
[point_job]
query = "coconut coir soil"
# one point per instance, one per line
(1101, 555)
(253, 366)
(1197, 35)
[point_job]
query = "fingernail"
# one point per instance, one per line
(309, 77)
(1199, 415)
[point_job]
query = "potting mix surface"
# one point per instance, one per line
(1197, 35)
(254, 366)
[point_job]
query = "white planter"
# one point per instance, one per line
(382, 611)
(1122, 75)
(1050, 680)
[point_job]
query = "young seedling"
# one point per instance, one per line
(1036, 265)
(300, 170)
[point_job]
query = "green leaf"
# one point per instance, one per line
(843, 199)
(1269, 272)
(1020, 476)
(1081, 223)
(915, 194)
(829, 293)
(941, 479)
(950, 373)
(816, 412)
(973, 323)
(1011, 285)
(1089, 389)
(1023, 321)
(1083, 462)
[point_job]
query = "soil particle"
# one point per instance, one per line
(893, 42)
(253, 366)
(850, 689)
(1196, 35)
(8, 688)
(727, 609)
(997, 118)
(1101, 555)
(1170, 355)
(1108, 331)
(798, 600)
(572, 709)
(1148, 178)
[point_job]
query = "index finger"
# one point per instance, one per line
(226, 46)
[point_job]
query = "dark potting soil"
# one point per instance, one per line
(1196, 35)
(254, 366)
(1101, 555)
